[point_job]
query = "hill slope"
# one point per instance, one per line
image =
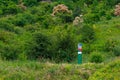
(109, 72)
(48, 71)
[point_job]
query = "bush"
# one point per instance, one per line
(9, 48)
(46, 21)
(110, 45)
(18, 30)
(9, 7)
(64, 45)
(116, 50)
(23, 19)
(87, 49)
(65, 17)
(58, 45)
(96, 57)
(66, 48)
(77, 11)
(10, 52)
(88, 34)
(1, 12)
(31, 28)
(91, 17)
(38, 47)
(6, 37)
(6, 25)
(108, 16)
(111, 2)
(30, 2)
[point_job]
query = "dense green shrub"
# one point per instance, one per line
(1, 12)
(91, 17)
(12, 9)
(23, 19)
(10, 52)
(38, 47)
(116, 50)
(66, 48)
(77, 11)
(9, 7)
(88, 2)
(30, 2)
(108, 17)
(58, 45)
(96, 57)
(66, 17)
(65, 45)
(98, 11)
(6, 25)
(6, 36)
(9, 48)
(110, 45)
(18, 30)
(47, 21)
(111, 2)
(87, 49)
(16, 1)
(31, 28)
(88, 34)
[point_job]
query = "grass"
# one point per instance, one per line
(33, 70)
(108, 72)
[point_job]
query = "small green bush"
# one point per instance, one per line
(111, 2)
(96, 57)
(116, 50)
(87, 49)
(65, 45)
(23, 19)
(66, 48)
(77, 11)
(38, 47)
(9, 7)
(30, 2)
(20, 21)
(65, 17)
(4, 24)
(10, 52)
(18, 30)
(58, 45)
(110, 45)
(88, 34)
(6, 37)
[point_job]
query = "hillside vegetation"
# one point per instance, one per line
(109, 72)
(32, 70)
(39, 38)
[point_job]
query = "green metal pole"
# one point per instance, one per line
(79, 53)
(79, 58)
